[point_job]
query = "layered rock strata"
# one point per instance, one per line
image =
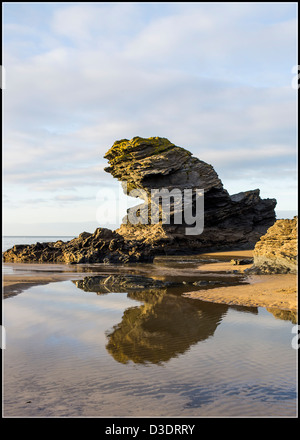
(277, 250)
(155, 164)
(148, 165)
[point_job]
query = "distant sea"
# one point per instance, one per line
(9, 241)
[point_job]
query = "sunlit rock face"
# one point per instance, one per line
(231, 222)
(144, 165)
(277, 250)
(157, 163)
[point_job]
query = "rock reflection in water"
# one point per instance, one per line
(163, 327)
(285, 315)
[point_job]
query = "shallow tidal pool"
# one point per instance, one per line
(71, 353)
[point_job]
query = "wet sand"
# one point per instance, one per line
(18, 277)
(226, 265)
(274, 291)
(15, 285)
(278, 291)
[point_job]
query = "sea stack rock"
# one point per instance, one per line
(230, 221)
(276, 251)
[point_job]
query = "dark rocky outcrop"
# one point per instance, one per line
(231, 222)
(241, 261)
(121, 283)
(128, 283)
(104, 246)
(277, 250)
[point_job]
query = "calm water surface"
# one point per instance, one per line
(71, 353)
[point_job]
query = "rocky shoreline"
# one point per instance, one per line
(240, 223)
(231, 222)
(216, 280)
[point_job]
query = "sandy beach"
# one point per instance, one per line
(18, 277)
(270, 291)
(277, 291)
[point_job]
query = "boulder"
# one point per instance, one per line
(276, 251)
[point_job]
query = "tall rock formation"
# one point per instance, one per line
(146, 166)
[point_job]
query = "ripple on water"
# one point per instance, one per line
(74, 353)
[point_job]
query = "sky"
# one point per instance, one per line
(214, 78)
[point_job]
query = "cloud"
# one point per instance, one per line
(71, 198)
(83, 23)
(221, 40)
(213, 78)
